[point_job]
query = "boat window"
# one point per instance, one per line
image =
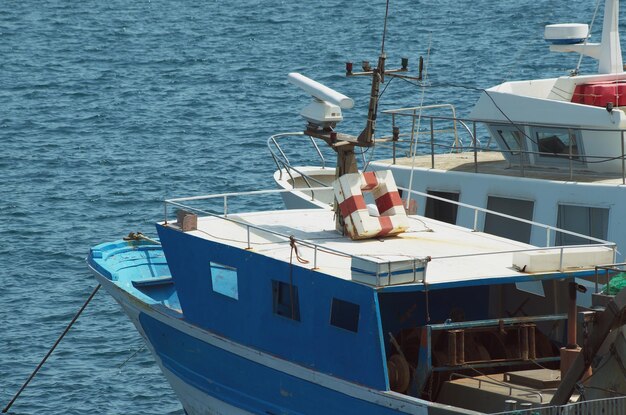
(344, 314)
(591, 221)
(555, 144)
(224, 280)
(512, 138)
(286, 302)
(440, 210)
(505, 227)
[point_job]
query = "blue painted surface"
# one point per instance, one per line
(250, 320)
(139, 267)
(244, 383)
(111, 106)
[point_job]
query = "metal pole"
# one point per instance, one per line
(623, 161)
(432, 143)
(571, 160)
(413, 147)
(475, 149)
(69, 326)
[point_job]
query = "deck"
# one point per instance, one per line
(494, 163)
(447, 254)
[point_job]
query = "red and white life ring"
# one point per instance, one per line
(359, 223)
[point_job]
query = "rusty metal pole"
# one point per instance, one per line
(571, 317)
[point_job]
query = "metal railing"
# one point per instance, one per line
(608, 406)
(178, 203)
(444, 139)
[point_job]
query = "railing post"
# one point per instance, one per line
(315, 257)
(547, 237)
(225, 206)
(623, 161)
(561, 261)
(165, 212)
(571, 159)
(475, 149)
(319, 153)
(248, 232)
(475, 220)
(413, 146)
(432, 143)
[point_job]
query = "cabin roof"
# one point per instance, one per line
(493, 162)
(458, 256)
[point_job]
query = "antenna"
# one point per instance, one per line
(366, 138)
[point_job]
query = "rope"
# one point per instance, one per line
(69, 326)
(138, 236)
(294, 248)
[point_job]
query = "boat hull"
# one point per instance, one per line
(213, 375)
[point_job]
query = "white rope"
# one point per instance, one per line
(419, 120)
(593, 19)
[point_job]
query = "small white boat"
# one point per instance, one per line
(552, 151)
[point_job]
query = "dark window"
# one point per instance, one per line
(440, 210)
(590, 221)
(286, 302)
(505, 227)
(345, 315)
(557, 143)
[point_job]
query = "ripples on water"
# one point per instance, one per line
(110, 107)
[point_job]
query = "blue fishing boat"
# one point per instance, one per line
(366, 308)
(278, 312)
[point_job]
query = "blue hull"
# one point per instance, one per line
(252, 386)
(213, 374)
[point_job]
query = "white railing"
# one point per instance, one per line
(178, 203)
(609, 406)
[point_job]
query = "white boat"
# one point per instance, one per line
(545, 150)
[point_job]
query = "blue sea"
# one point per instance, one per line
(109, 107)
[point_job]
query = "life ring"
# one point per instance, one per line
(359, 224)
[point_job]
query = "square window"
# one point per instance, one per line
(440, 210)
(585, 220)
(286, 302)
(345, 315)
(224, 280)
(505, 227)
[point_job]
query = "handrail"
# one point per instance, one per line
(224, 216)
(614, 405)
(504, 215)
(565, 162)
(503, 384)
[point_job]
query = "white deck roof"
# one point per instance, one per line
(458, 255)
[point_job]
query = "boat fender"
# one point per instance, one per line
(359, 222)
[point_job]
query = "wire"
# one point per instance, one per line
(593, 19)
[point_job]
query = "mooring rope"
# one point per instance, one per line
(69, 326)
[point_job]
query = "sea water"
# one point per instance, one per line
(109, 107)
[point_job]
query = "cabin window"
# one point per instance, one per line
(286, 302)
(505, 227)
(557, 144)
(440, 210)
(585, 220)
(224, 280)
(511, 137)
(345, 315)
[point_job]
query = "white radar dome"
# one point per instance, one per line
(566, 33)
